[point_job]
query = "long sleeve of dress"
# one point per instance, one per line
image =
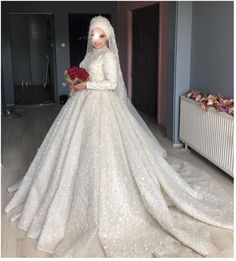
(110, 74)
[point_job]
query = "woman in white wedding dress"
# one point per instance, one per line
(101, 185)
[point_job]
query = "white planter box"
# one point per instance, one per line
(208, 132)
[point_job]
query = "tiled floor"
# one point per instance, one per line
(22, 136)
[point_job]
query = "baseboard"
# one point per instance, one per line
(177, 145)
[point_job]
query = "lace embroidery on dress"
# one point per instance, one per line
(101, 185)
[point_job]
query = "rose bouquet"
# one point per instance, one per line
(75, 75)
(220, 103)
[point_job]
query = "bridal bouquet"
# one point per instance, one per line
(75, 75)
(220, 103)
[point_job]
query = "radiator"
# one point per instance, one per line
(210, 133)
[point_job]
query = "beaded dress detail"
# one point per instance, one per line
(101, 185)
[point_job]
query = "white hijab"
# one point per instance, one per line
(105, 25)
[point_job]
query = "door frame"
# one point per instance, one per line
(162, 63)
(54, 48)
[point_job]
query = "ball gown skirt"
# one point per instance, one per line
(101, 185)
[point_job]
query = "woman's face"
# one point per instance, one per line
(98, 38)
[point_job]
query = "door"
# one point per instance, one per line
(145, 26)
(33, 60)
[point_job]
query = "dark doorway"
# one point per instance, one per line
(145, 26)
(33, 58)
(78, 33)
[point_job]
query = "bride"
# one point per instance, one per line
(101, 185)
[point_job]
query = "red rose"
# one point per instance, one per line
(76, 73)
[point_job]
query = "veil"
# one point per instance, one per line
(121, 91)
(103, 23)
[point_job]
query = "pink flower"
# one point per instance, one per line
(231, 111)
(198, 97)
(223, 108)
(227, 102)
(220, 103)
(203, 106)
(210, 102)
(210, 97)
(189, 94)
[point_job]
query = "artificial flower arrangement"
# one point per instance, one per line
(220, 103)
(75, 75)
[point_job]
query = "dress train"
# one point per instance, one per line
(101, 185)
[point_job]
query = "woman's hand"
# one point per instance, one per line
(80, 86)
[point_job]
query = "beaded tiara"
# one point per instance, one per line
(101, 22)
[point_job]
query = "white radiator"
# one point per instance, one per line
(209, 133)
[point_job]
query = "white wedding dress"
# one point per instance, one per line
(101, 185)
